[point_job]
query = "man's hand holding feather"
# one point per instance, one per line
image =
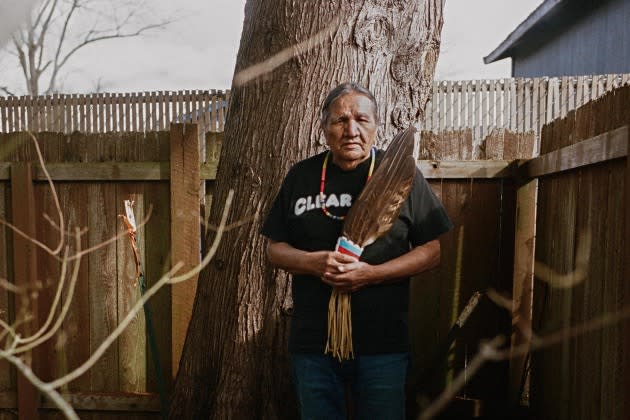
(352, 276)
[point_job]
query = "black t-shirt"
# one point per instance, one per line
(379, 313)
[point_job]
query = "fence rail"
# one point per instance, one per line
(519, 105)
(114, 112)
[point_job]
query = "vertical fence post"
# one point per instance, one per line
(25, 271)
(626, 283)
(185, 227)
(523, 282)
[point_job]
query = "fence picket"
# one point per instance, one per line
(141, 112)
(564, 103)
(93, 113)
(513, 110)
(515, 104)
(221, 120)
(579, 92)
(154, 113)
(610, 81)
(535, 105)
(484, 108)
(21, 117)
(601, 89)
(3, 115)
(110, 109)
(572, 92)
(448, 104)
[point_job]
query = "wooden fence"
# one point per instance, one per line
(571, 231)
(583, 235)
(479, 196)
(518, 105)
(490, 201)
(107, 112)
(93, 174)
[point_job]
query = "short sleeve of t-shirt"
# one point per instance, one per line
(275, 226)
(429, 216)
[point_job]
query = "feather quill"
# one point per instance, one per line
(378, 205)
(370, 217)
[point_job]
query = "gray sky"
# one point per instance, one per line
(198, 51)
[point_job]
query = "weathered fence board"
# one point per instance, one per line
(7, 375)
(25, 276)
(185, 237)
(477, 255)
(106, 286)
(102, 222)
(105, 112)
(519, 105)
(585, 376)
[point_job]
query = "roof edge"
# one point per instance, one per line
(542, 11)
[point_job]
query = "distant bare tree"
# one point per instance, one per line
(58, 29)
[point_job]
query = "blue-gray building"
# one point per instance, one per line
(570, 38)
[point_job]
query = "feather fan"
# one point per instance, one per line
(378, 205)
(371, 216)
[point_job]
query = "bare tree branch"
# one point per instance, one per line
(62, 37)
(90, 40)
(254, 71)
(42, 35)
(53, 394)
(14, 343)
(6, 91)
(56, 32)
(491, 351)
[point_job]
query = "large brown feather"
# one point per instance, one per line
(371, 216)
(378, 206)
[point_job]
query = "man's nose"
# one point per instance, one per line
(352, 129)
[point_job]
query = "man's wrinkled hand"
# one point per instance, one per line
(351, 276)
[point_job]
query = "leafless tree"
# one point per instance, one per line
(16, 344)
(234, 362)
(58, 29)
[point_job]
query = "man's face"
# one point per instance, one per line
(350, 130)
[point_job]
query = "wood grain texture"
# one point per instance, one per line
(132, 343)
(584, 377)
(48, 268)
(391, 49)
(25, 263)
(7, 372)
(102, 221)
(185, 227)
(625, 289)
(76, 326)
(157, 256)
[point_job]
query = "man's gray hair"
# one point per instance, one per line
(343, 89)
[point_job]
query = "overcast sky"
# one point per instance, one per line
(198, 51)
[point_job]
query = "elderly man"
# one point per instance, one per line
(303, 226)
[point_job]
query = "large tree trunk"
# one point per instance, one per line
(234, 362)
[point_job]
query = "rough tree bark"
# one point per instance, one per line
(234, 362)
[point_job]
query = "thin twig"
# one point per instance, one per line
(51, 393)
(276, 60)
(53, 307)
(164, 280)
(53, 191)
(64, 309)
(490, 352)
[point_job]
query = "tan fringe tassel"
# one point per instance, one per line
(339, 326)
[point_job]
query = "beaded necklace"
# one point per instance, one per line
(322, 200)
